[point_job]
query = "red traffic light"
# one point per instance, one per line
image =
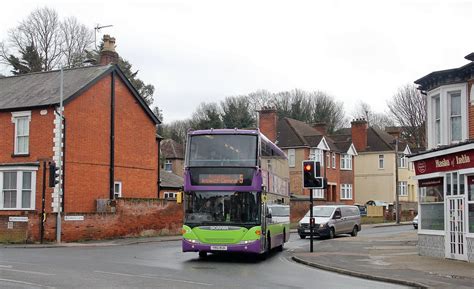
(308, 168)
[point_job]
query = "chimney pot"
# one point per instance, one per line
(108, 54)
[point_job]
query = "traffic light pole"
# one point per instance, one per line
(311, 221)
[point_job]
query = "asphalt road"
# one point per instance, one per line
(163, 265)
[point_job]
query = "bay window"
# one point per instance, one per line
(447, 115)
(17, 188)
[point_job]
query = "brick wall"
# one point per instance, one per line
(133, 217)
(470, 83)
(88, 147)
(40, 147)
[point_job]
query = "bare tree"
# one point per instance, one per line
(379, 120)
(408, 107)
(177, 130)
(57, 43)
(77, 38)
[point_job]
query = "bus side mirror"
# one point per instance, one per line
(179, 197)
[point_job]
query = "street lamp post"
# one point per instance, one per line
(60, 153)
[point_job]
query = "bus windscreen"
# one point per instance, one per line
(223, 150)
(222, 208)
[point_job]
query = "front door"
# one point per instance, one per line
(456, 229)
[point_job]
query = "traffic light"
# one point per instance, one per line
(53, 174)
(312, 175)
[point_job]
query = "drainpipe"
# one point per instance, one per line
(112, 136)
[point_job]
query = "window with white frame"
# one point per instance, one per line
(402, 189)
(291, 158)
(318, 193)
(437, 119)
(117, 190)
(168, 166)
(170, 195)
(455, 115)
(381, 161)
(447, 115)
(328, 159)
(17, 189)
(346, 162)
(21, 120)
(317, 155)
(402, 161)
(333, 160)
(470, 202)
(346, 191)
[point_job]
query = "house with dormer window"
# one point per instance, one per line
(300, 142)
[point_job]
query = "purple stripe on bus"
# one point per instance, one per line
(253, 247)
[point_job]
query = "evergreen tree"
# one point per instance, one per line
(30, 61)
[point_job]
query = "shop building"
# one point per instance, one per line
(445, 172)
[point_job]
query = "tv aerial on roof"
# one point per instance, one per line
(97, 29)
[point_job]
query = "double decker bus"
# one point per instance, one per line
(236, 193)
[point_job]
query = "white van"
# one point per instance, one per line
(331, 221)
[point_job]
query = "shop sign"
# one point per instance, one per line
(434, 182)
(451, 162)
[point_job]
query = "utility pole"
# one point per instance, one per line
(397, 187)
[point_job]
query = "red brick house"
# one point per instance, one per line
(301, 141)
(111, 148)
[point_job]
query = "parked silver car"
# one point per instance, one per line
(331, 221)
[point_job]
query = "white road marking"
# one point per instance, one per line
(5, 266)
(29, 272)
(154, 277)
(25, 283)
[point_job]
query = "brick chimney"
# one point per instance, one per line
(267, 122)
(321, 127)
(108, 54)
(359, 134)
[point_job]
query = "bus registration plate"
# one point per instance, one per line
(219, 248)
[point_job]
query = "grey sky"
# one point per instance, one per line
(194, 51)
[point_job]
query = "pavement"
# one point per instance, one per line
(381, 258)
(390, 259)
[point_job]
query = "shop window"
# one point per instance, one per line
(471, 218)
(470, 201)
(431, 204)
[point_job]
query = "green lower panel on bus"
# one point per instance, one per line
(221, 234)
